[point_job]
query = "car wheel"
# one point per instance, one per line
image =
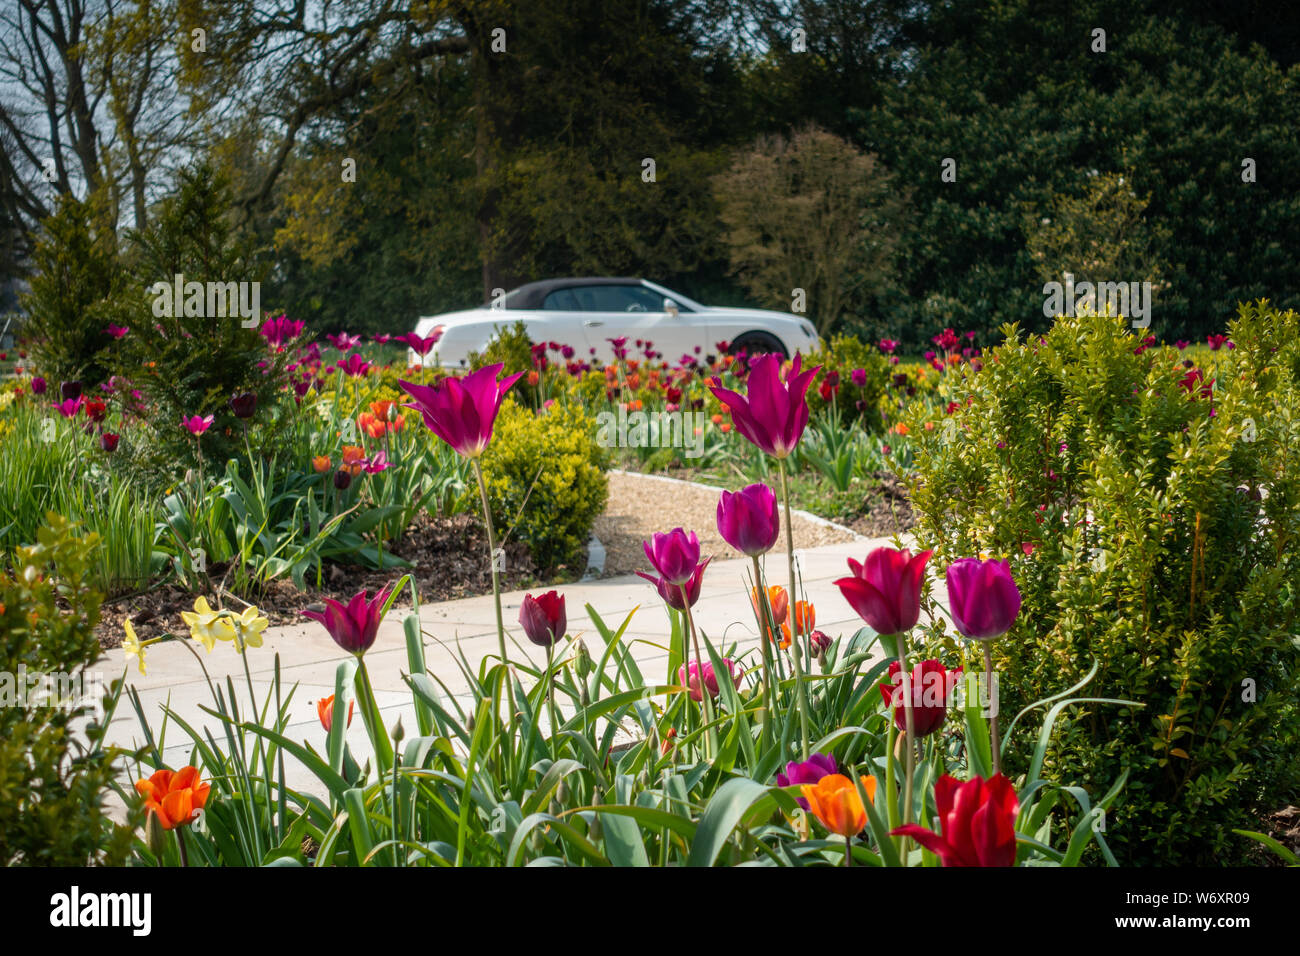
(758, 343)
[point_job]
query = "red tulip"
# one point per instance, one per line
(983, 597)
(543, 618)
(108, 441)
(774, 413)
(462, 411)
(885, 589)
(977, 822)
(932, 686)
(354, 625)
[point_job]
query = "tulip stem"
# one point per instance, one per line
(550, 696)
(180, 841)
(764, 625)
(993, 720)
(848, 851)
(492, 561)
(906, 690)
(706, 710)
(890, 795)
(797, 650)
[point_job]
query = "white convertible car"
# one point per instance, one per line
(586, 313)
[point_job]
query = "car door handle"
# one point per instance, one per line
(592, 323)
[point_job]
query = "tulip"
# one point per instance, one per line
(804, 617)
(543, 618)
(983, 597)
(376, 463)
(809, 771)
(243, 404)
(977, 822)
(421, 345)
(38, 385)
(96, 410)
(672, 594)
(116, 331)
(354, 625)
(834, 800)
(70, 407)
(462, 411)
(931, 684)
(675, 555)
(342, 341)
(175, 798)
(354, 365)
(197, 425)
(108, 441)
(748, 519)
(690, 676)
(342, 479)
(858, 377)
(885, 589)
(775, 413)
(321, 464)
(279, 330)
(325, 711)
(70, 390)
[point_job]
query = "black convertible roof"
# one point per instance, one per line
(530, 296)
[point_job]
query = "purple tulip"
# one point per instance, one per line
(983, 597)
(70, 390)
(116, 331)
(462, 411)
(748, 520)
(810, 771)
(355, 625)
(543, 618)
(775, 413)
(354, 365)
(376, 463)
(422, 345)
(38, 386)
(342, 479)
(885, 589)
(279, 330)
(69, 407)
(858, 377)
(674, 555)
(243, 404)
(672, 594)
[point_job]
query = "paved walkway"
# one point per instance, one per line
(309, 657)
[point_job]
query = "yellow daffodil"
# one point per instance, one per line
(208, 626)
(132, 646)
(248, 628)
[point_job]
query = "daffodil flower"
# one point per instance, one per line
(132, 645)
(208, 626)
(248, 628)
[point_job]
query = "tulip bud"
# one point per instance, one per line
(398, 732)
(582, 663)
(562, 792)
(154, 835)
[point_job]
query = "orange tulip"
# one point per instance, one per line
(321, 463)
(325, 711)
(353, 454)
(805, 616)
(176, 798)
(835, 802)
(383, 410)
(371, 425)
(779, 600)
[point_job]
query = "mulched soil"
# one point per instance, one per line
(449, 554)
(886, 509)
(1284, 827)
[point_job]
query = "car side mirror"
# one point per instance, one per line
(670, 307)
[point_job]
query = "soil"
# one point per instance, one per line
(449, 554)
(886, 509)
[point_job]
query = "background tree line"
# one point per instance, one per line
(794, 144)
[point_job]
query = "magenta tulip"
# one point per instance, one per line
(70, 407)
(197, 425)
(672, 594)
(280, 330)
(674, 555)
(354, 625)
(421, 345)
(748, 520)
(462, 411)
(983, 597)
(543, 618)
(354, 365)
(343, 342)
(775, 413)
(885, 589)
(38, 385)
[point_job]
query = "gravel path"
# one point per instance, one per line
(640, 505)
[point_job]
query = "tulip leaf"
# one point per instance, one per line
(728, 805)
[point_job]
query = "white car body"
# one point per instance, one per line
(584, 314)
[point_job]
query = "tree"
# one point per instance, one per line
(810, 212)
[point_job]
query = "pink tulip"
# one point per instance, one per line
(674, 555)
(462, 411)
(354, 365)
(422, 345)
(885, 589)
(692, 681)
(343, 342)
(775, 413)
